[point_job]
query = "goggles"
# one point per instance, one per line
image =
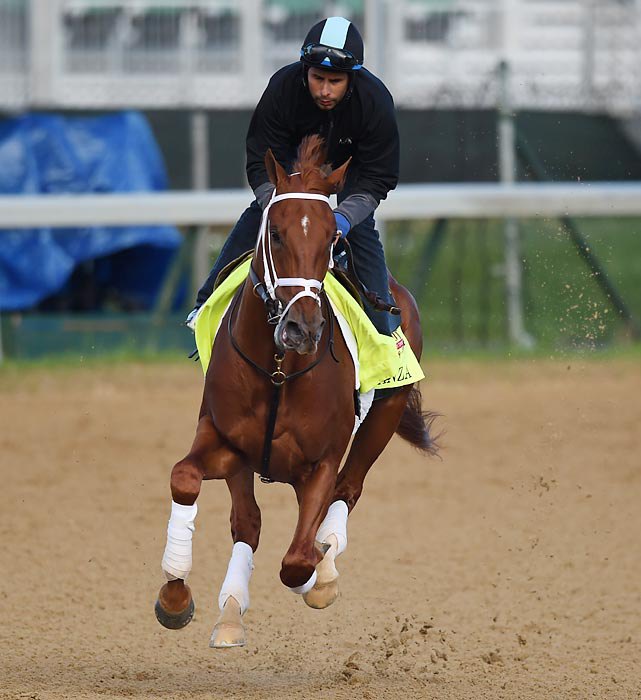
(320, 55)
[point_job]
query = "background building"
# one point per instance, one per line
(564, 72)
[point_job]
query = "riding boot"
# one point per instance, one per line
(241, 239)
(369, 260)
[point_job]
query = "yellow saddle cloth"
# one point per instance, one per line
(382, 361)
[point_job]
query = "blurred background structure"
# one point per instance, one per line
(218, 54)
(487, 91)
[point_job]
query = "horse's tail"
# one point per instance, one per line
(416, 424)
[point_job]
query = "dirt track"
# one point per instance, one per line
(512, 569)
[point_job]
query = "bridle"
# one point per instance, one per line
(271, 281)
(266, 290)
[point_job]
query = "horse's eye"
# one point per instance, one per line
(274, 234)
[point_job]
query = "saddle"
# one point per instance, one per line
(345, 273)
(348, 277)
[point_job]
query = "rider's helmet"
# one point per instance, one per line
(334, 44)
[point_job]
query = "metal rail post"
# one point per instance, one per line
(252, 46)
(45, 40)
(200, 181)
(375, 37)
(507, 173)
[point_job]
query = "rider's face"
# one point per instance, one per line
(326, 87)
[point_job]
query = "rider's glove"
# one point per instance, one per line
(190, 321)
(342, 224)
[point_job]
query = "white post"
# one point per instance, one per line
(45, 41)
(252, 47)
(200, 181)
(588, 73)
(188, 45)
(637, 25)
(507, 171)
(375, 37)
(393, 16)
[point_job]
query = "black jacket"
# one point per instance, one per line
(362, 125)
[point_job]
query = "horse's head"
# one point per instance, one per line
(296, 243)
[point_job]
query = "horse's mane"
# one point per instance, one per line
(311, 163)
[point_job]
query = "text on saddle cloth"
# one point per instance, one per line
(380, 361)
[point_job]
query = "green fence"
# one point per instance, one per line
(460, 287)
(458, 283)
(35, 336)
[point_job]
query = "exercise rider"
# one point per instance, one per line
(328, 92)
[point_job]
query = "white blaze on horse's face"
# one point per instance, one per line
(304, 222)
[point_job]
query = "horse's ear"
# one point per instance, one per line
(336, 179)
(275, 170)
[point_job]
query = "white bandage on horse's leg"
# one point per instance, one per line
(335, 523)
(176, 561)
(299, 590)
(366, 401)
(239, 572)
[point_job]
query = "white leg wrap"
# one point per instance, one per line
(335, 523)
(366, 399)
(176, 562)
(239, 572)
(299, 590)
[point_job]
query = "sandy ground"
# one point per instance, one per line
(511, 569)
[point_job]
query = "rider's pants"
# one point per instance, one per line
(369, 259)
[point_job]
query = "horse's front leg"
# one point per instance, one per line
(369, 442)
(314, 492)
(233, 599)
(175, 606)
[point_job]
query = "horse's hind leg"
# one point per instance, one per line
(385, 415)
(369, 442)
(233, 599)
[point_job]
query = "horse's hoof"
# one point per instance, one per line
(322, 596)
(325, 590)
(228, 630)
(174, 621)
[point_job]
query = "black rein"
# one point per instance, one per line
(277, 377)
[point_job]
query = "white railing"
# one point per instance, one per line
(218, 207)
(523, 200)
(564, 54)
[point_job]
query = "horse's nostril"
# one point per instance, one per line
(294, 332)
(300, 336)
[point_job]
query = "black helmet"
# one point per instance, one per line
(334, 44)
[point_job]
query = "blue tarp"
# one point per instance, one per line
(48, 154)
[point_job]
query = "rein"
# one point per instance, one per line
(278, 378)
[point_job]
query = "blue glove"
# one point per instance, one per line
(342, 224)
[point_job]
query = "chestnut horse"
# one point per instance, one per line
(298, 380)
